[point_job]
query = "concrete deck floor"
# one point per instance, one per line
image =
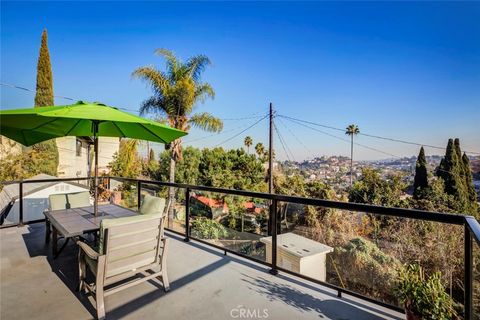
(205, 284)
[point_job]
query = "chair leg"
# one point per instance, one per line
(47, 231)
(100, 303)
(54, 242)
(82, 272)
(164, 276)
(99, 288)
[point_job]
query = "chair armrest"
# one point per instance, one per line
(88, 250)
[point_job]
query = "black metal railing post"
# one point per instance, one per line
(273, 221)
(20, 200)
(187, 215)
(139, 195)
(468, 281)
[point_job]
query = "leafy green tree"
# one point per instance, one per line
(248, 143)
(44, 97)
(27, 164)
(208, 229)
(44, 92)
(472, 194)
(260, 150)
(420, 182)
(126, 162)
(352, 130)
(449, 171)
(370, 188)
(454, 173)
(215, 167)
(175, 93)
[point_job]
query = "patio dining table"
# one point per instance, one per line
(75, 222)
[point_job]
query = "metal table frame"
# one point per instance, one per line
(75, 222)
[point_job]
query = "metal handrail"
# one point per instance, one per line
(471, 225)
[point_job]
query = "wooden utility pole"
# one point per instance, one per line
(270, 152)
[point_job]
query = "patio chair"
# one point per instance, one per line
(128, 247)
(65, 201)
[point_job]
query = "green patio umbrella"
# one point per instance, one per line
(30, 126)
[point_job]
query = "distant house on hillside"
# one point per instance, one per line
(207, 207)
(35, 198)
(73, 159)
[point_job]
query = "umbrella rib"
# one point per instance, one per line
(23, 130)
(74, 126)
(123, 134)
(152, 133)
(43, 124)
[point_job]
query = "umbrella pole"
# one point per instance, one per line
(95, 183)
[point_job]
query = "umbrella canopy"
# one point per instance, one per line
(30, 126)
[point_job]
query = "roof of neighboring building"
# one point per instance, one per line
(212, 203)
(10, 192)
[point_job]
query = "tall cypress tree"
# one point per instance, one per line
(44, 94)
(420, 182)
(472, 194)
(44, 97)
(452, 171)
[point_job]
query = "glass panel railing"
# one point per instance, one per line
(367, 253)
(174, 206)
(9, 205)
(476, 280)
(236, 223)
(120, 192)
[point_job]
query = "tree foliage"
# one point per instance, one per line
(44, 91)
(126, 162)
(31, 162)
(454, 170)
(372, 189)
(175, 93)
(216, 167)
(420, 181)
(248, 143)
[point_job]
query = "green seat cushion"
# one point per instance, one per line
(79, 199)
(57, 201)
(152, 205)
(107, 223)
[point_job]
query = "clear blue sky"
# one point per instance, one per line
(402, 70)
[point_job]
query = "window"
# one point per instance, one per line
(79, 147)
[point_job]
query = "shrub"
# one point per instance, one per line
(204, 228)
(424, 296)
(366, 268)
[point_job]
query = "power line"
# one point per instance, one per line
(344, 140)
(361, 145)
(374, 136)
(285, 147)
(296, 138)
(252, 116)
(3, 84)
(236, 135)
(214, 134)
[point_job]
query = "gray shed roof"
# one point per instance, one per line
(10, 192)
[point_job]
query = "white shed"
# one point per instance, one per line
(35, 198)
(299, 254)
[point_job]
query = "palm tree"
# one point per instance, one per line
(352, 130)
(248, 142)
(260, 149)
(175, 93)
